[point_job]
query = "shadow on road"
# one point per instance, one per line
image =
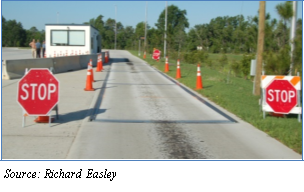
(76, 115)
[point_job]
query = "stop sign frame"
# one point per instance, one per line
(277, 102)
(154, 52)
(295, 81)
(39, 75)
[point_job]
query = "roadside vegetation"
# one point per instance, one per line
(235, 93)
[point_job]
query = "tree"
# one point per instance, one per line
(285, 12)
(4, 29)
(298, 48)
(125, 38)
(176, 25)
(13, 34)
(109, 34)
(140, 32)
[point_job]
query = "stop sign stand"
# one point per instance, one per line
(156, 54)
(50, 119)
(38, 94)
(281, 95)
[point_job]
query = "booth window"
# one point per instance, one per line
(67, 38)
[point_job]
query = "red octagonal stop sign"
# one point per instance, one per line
(281, 96)
(38, 92)
(156, 54)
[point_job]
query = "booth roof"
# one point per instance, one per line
(70, 25)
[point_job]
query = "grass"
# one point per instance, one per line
(236, 96)
(24, 48)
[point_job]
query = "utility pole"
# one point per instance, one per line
(292, 35)
(115, 27)
(139, 46)
(257, 90)
(145, 44)
(165, 40)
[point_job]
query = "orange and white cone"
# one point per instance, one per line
(91, 68)
(89, 82)
(99, 64)
(178, 71)
(106, 57)
(44, 119)
(145, 55)
(45, 54)
(166, 65)
(199, 83)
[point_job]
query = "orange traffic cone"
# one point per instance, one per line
(145, 55)
(106, 57)
(45, 54)
(99, 64)
(166, 65)
(91, 68)
(89, 83)
(276, 114)
(44, 119)
(199, 83)
(178, 71)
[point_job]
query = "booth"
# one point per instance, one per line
(71, 39)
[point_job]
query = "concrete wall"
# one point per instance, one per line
(14, 69)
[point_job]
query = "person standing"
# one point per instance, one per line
(33, 46)
(43, 48)
(38, 47)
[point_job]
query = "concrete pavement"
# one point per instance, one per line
(145, 115)
(74, 137)
(39, 141)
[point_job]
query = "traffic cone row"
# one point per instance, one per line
(91, 69)
(178, 71)
(145, 55)
(89, 82)
(106, 57)
(199, 83)
(167, 65)
(99, 64)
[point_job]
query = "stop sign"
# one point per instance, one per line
(38, 92)
(281, 96)
(156, 54)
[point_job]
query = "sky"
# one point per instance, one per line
(129, 13)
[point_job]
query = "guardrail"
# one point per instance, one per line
(14, 69)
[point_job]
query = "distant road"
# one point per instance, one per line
(142, 114)
(15, 53)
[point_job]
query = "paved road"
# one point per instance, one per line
(142, 114)
(15, 53)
